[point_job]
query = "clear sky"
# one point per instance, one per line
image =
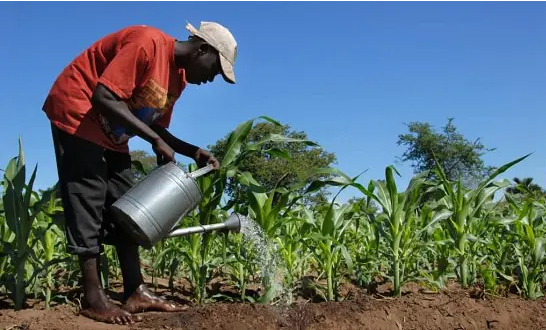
(348, 74)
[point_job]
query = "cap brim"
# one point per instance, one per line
(227, 70)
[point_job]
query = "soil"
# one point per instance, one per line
(453, 309)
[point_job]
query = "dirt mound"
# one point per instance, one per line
(415, 312)
(453, 309)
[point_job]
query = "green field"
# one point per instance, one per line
(431, 232)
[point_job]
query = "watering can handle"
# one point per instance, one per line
(201, 171)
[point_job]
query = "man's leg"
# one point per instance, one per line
(137, 296)
(83, 184)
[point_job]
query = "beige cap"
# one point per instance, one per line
(222, 40)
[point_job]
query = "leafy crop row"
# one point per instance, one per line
(431, 232)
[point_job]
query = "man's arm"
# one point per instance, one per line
(115, 109)
(201, 156)
(179, 146)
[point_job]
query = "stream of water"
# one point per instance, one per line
(270, 262)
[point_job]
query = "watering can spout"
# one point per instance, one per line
(232, 224)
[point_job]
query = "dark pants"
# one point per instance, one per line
(91, 178)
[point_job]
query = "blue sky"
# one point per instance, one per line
(348, 74)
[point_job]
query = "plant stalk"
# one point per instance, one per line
(20, 284)
(396, 275)
(330, 283)
(463, 261)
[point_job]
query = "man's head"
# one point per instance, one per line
(211, 51)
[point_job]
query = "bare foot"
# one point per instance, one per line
(99, 308)
(143, 300)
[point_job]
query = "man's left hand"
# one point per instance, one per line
(203, 158)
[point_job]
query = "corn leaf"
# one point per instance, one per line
(235, 141)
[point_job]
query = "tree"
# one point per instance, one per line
(459, 157)
(143, 163)
(274, 171)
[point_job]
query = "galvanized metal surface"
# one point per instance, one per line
(150, 210)
(232, 223)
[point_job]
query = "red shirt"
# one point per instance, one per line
(135, 63)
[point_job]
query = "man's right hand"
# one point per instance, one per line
(163, 151)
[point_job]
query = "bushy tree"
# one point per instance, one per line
(273, 171)
(459, 157)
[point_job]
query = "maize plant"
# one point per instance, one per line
(327, 241)
(213, 187)
(166, 260)
(7, 236)
(270, 210)
(399, 222)
(50, 235)
(529, 225)
(436, 263)
(22, 210)
(465, 208)
(197, 251)
(20, 218)
(364, 240)
(238, 265)
(434, 230)
(291, 243)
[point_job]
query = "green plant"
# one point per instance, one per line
(20, 217)
(327, 241)
(49, 233)
(399, 222)
(529, 226)
(432, 231)
(25, 212)
(465, 208)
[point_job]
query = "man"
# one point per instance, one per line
(124, 85)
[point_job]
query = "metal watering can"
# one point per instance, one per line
(149, 210)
